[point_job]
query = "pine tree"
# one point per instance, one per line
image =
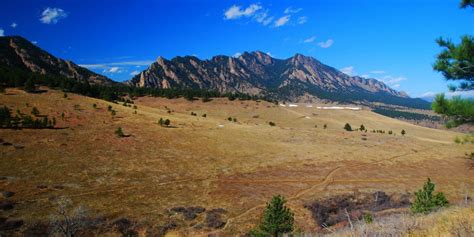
(35, 111)
(362, 128)
(29, 85)
(348, 127)
(119, 132)
(426, 201)
(277, 219)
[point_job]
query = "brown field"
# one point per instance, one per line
(238, 166)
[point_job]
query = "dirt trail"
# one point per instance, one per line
(326, 181)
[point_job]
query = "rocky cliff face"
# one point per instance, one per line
(258, 73)
(17, 52)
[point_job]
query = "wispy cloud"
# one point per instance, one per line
(282, 21)
(263, 18)
(310, 39)
(114, 64)
(52, 15)
(113, 70)
(14, 25)
(257, 13)
(377, 72)
(326, 44)
(348, 70)
(2, 32)
(449, 94)
(302, 20)
(34, 42)
(235, 12)
(291, 10)
(134, 73)
(391, 80)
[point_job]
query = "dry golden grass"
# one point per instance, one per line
(197, 162)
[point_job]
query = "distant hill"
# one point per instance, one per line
(18, 53)
(259, 73)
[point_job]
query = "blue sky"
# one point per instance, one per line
(391, 40)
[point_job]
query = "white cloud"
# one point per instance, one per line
(52, 15)
(113, 70)
(269, 54)
(449, 94)
(134, 73)
(14, 25)
(396, 86)
(365, 75)
(377, 72)
(107, 65)
(235, 12)
(328, 43)
(34, 42)
(390, 80)
(282, 21)
(2, 32)
(302, 20)
(348, 70)
(292, 10)
(263, 18)
(310, 39)
(236, 55)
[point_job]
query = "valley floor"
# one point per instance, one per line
(212, 162)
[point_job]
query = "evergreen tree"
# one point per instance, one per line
(30, 85)
(456, 63)
(348, 127)
(119, 132)
(362, 128)
(277, 219)
(426, 201)
(403, 132)
(35, 111)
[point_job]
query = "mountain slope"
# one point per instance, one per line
(258, 73)
(18, 53)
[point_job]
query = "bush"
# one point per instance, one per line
(362, 128)
(368, 218)
(390, 132)
(271, 123)
(94, 106)
(35, 111)
(348, 127)
(277, 219)
(457, 140)
(325, 126)
(426, 201)
(164, 122)
(403, 132)
(119, 132)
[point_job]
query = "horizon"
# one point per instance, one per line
(371, 40)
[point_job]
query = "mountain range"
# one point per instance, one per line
(255, 73)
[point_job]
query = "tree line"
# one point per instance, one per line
(14, 77)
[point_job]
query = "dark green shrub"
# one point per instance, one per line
(426, 201)
(277, 219)
(35, 111)
(119, 132)
(348, 127)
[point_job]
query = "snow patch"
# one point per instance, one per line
(338, 108)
